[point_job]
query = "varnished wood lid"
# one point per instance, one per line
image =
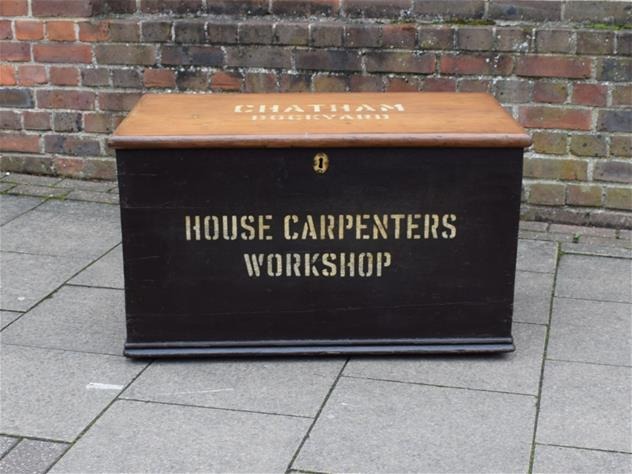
(404, 119)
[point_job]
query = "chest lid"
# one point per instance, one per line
(403, 119)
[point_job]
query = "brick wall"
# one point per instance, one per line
(72, 68)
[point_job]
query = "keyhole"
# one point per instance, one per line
(321, 163)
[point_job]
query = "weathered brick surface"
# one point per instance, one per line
(71, 70)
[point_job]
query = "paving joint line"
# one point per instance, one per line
(538, 400)
(591, 299)
(590, 363)
(50, 295)
(424, 384)
(18, 440)
(27, 211)
(77, 351)
(99, 287)
(190, 405)
(98, 416)
(320, 410)
(584, 448)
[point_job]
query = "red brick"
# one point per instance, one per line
(439, 84)
(554, 168)
(260, 82)
(329, 83)
(553, 41)
(7, 75)
(359, 83)
(622, 95)
(553, 66)
(550, 92)
(15, 52)
(316, 59)
(36, 120)
(29, 75)
(550, 142)
(125, 54)
(303, 8)
(361, 35)
(180, 6)
(474, 85)
(226, 81)
(376, 9)
(98, 122)
(296, 34)
(9, 120)
(399, 35)
(595, 42)
(124, 31)
(14, 8)
(548, 194)
(396, 61)
(163, 78)
(62, 53)
(19, 142)
(476, 64)
(474, 38)
(590, 94)
(29, 30)
(295, 83)
(326, 34)
(5, 30)
(583, 195)
(60, 30)
(402, 84)
(62, 8)
(71, 145)
(93, 31)
(435, 37)
(65, 99)
(12, 97)
(554, 117)
(64, 76)
(118, 101)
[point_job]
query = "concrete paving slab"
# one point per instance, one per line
(148, 437)
(7, 317)
(585, 406)
(65, 228)
(56, 394)
(106, 272)
(517, 372)
(6, 443)
(32, 456)
(291, 386)
(555, 460)
(26, 279)
(591, 331)
(536, 256)
(376, 427)
(13, 206)
(595, 278)
(532, 297)
(75, 318)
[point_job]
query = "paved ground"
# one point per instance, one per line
(72, 403)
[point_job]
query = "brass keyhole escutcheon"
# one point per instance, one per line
(321, 163)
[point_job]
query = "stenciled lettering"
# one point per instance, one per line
(320, 227)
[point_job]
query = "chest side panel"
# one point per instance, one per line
(387, 243)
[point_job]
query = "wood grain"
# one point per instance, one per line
(410, 119)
